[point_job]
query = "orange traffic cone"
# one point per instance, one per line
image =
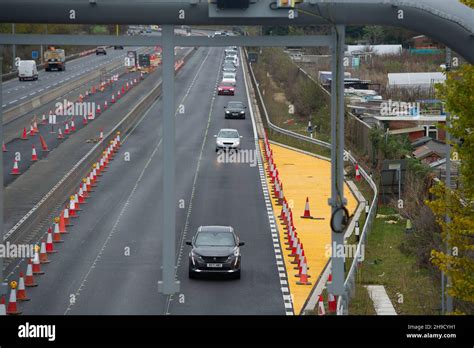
(66, 128)
(56, 232)
(307, 214)
(49, 243)
(15, 170)
(35, 125)
(73, 126)
(21, 293)
(44, 146)
(30, 278)
(72, 207)
(67, 221)
(36, 262)
(34, 156)
(24, 136)
(303, 274)
(321, 310)
(43, 256)
(12, 308)
(62, 223)
(32, 131)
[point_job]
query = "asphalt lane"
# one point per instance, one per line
(15, 92)
(110, 262)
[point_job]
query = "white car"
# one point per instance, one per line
(227, 139)
(229, 78)
(232, 59)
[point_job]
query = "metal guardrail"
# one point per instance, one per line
(54, 199)
(349, 283)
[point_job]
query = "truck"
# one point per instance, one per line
(54, 59)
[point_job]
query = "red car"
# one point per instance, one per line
(225, 88)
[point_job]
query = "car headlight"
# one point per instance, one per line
(196, 256)
(219, 142)
(242, 112)
(227, 112)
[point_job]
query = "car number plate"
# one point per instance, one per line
(214, 265)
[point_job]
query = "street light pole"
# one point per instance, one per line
(3, 287)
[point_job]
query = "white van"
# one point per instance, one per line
(27, 70)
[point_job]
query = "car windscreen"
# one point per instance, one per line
(228, 134)
(228, 76)
(235, 105)
(221, 239)
(226, 84)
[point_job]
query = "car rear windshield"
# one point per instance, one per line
(223, 239)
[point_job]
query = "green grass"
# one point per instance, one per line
(386, 265)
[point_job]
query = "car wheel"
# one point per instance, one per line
(237, 274)
(191, 274)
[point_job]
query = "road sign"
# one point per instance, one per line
(34, 54)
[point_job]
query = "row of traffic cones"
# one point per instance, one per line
(293, 244)
(331, 299)
(18, 290)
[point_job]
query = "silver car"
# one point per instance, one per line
(228, 139)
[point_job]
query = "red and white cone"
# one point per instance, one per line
(321, 309)
(36, 263)
(303, 274)
(44, 120)
(113, 98)
(43, 255)
(60, 134)
(30, 278)
(357, 174)
(67, 220)
(72, 207)
(21, 293)
(57, 232)
(101, 135)
(3, 307)
(105, 105)
(4, 147)
(307, 213)
(66, 128)
(73, 126)
(34, 156)
(15, 170)
(12, 308)
(98, 111)
(332, 303)
(49, 242)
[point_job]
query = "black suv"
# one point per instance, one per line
(216, 249)
(235, 109)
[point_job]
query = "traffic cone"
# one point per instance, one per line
(43, 256)
(44, 120)
(105, 105)
(34, 156)
(81, 196)
(84, 120)
(24, 136)
(32, 131)
(98, 110)
(72, 207)
(56, 232)
(60, 134)
(62, 223)
(113, 98)
(357, 174)
(36, 262)
(12, 308)
(4, 147)
(44, 146)
(49, 243)
(307, 214)
(85, 189)
(303, 274)
(15, 170)
(67, 221)
(332, 303)
(3, 308)
(21, 293)
(35, 126)
(101, 134)
(66, 128)
(73, 126)
(321, 310)
(30, 278)
(118, 95)
(123, 90)
(76, 202)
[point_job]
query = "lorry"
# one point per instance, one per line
(27, 70)
(54, 59)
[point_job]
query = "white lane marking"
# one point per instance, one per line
(23, 97)
(271, 217)
(13, 101)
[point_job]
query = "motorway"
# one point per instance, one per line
(110, 261)
(16, 92)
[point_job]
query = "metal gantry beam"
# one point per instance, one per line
(337, 200)
(183, 41)
(168, 285)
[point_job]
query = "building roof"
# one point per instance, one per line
(431, 147)
(415, 79)
(375, 49)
